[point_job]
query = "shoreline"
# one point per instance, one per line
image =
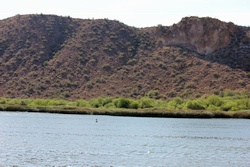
(151, 112)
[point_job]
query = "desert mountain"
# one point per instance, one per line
(48, 56)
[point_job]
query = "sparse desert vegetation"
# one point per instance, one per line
(48, 56)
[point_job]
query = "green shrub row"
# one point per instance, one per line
(225, 101)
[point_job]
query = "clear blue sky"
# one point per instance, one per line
(138, 13)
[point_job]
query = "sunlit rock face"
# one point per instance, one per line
(203, 35)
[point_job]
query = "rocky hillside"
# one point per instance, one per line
(49, 56)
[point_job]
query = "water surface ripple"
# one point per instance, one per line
(40, 139)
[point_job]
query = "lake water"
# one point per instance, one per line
(41, 139)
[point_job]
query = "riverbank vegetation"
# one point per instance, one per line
(225, 104)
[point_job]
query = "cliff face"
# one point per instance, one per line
(61, 57)
(203, 35)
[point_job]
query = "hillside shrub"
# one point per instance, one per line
(55, 102)
(20, 102)
(153, 94)
(82, 103)
(176, 103)
(226, 101)
(215, 100)
(229, 106)
(213, 108)
(228, 93)
(100, 102)
(122, 102)
(243, 104)
(134, 104)
(146, 102)
(39, 103)
(196, 105)
(3, 101)
(105, 101)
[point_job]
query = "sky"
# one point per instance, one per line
(138, 13)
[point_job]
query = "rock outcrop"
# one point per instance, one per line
(203, 35)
